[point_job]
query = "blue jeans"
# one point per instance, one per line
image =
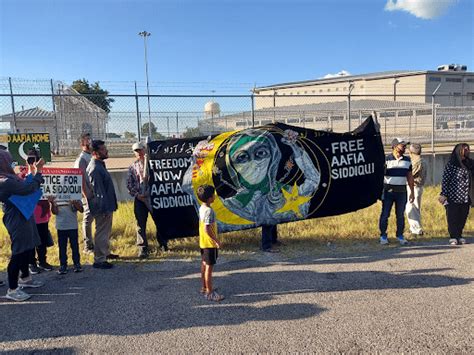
(400, 200)
(63, 237)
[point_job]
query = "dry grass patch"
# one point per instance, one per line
(303, 236)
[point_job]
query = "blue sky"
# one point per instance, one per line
(228, 46)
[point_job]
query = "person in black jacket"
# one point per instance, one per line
(23, 233)
(457, 191)
(102, 204)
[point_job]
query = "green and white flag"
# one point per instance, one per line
(19, 144)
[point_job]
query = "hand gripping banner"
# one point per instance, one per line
(264, 175)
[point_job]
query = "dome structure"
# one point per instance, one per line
(212, 109)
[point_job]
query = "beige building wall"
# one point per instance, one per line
(399, 87)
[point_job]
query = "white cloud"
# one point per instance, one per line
(425, 9)
(341, 73)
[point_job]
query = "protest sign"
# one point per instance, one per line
(63, 183)
(265, 175)
(18, 145)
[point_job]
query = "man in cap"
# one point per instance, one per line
(137, 185)
(398, 173)
(419, 169)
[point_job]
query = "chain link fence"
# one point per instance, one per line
(53, 107)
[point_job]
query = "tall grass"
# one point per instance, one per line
(348, 229)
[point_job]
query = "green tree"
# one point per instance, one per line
(93, 93)
(155, 135)
(191, 132)
(129, 135)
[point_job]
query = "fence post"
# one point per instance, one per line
(177, 125)
(13, 105)
(253, 109)
(433, 127)
(56, 131)
(351, 87)
(138, 113)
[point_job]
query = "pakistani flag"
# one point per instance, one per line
(19, 144)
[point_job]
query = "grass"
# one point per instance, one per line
(356, 228)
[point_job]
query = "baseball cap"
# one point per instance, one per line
(397, 141)
(138, 145)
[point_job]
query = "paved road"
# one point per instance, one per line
(395, 299)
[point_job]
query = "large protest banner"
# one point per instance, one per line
(265, 175)
(18, 145)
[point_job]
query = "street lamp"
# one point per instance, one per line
(146, 34)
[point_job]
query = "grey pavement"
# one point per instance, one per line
(387, 300)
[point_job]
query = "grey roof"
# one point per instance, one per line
(34, 113)
(369, 76)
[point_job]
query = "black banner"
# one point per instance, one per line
(265, 175)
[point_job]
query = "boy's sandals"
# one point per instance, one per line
(214, 296)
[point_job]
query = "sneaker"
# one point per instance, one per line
(383, 240)
(62, 270)
(103, 265)
(402, 240)
(17, 295)
(462, 241)
(45, 266)
(29, 282)
(34, 269)
(113, 256)
(78, 268)
(214, 296)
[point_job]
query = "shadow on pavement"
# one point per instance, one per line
(142, 298)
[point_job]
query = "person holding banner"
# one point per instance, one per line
(138, 189)
(66, 225)
(82, 162)
(102, 204)
(398, 173)
(22, 230)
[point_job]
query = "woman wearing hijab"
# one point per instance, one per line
(23, 233)
(457, 191)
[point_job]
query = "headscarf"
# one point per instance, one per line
(269, 185)
(455, 158)
(6, 169)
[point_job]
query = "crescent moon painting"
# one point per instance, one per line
(21, 151)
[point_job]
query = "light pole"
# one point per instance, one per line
(146, 34)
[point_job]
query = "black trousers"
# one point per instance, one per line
(43, 232)
(18, 262)
(269, 236)
(141, 214)
(456, 214)
(73, 237)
